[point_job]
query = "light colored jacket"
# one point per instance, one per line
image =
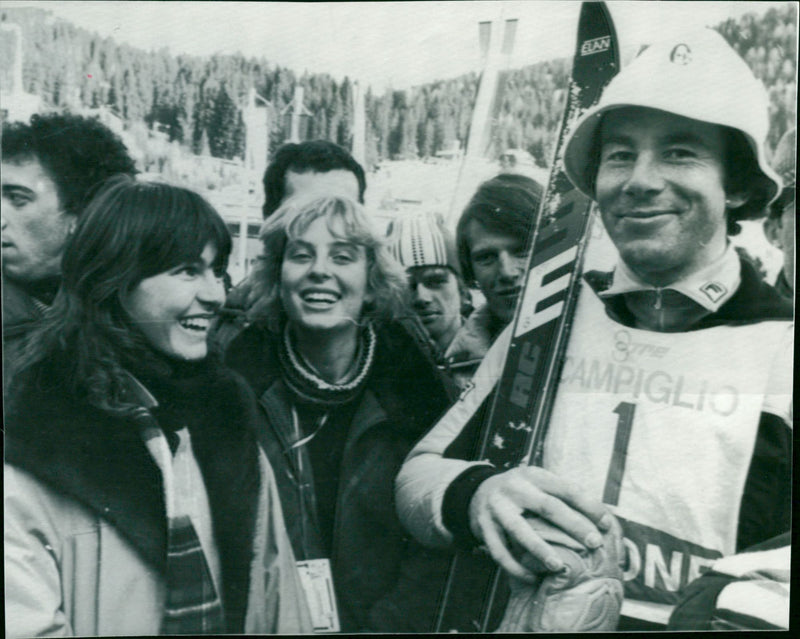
(749, 476)
(427, 472)
(69, 572)
(85, 521)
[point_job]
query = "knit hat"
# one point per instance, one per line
(697, 76)
(423, 240)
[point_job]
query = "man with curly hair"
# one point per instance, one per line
(51, 168)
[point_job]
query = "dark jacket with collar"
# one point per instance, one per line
(20, 314)
(102, 463)
(384, 581)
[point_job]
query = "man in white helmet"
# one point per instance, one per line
(673, 408)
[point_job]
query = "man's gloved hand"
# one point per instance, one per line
(585, 596)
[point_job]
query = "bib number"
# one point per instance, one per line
(619, 456)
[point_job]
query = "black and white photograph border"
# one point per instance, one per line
(432, 101)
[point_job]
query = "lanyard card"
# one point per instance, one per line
(317, 582)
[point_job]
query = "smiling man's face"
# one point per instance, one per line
(498, 262)
(661, 191)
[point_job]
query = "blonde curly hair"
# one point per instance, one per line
(386, 281)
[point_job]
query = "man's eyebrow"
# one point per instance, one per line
(483, 249)
(616, 138)
(16, 187)
(684, 137)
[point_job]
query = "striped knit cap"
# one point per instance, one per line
(423, 240)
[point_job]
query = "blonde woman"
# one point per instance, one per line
(345, 393)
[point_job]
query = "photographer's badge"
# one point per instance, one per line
(317, 582)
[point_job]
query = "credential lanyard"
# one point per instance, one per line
(315, 574)
(304, 483)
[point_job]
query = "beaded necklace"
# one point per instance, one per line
(309, 386)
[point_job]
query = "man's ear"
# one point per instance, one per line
(772, 229)
(735, 200)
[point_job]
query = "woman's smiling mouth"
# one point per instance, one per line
(197, 323)
(319, 297)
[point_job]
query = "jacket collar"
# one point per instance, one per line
(20, 309)
(753, 301)
(399, 370)
(474, 337)
(710, 287)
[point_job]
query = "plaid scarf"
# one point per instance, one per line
(192, 606)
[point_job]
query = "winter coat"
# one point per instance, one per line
(85, 523)
(20, 313)
(384, 581)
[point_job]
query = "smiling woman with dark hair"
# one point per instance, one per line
(345, 393)
(137, 501)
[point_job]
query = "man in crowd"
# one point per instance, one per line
(673, 408)
(491, 241)
(779, 225)
(427, 250)
(317, 165)
(51, 167)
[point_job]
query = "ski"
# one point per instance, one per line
(513, 433)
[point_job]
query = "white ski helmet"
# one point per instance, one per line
(697, 76)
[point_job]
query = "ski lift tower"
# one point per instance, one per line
(298, 117)
(16, 103)
(256, 116)
(495, 58)
(358, 149)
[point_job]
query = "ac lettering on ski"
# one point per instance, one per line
(657, 386)
(596, 45)
(523, 379)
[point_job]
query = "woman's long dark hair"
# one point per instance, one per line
(129, 232)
